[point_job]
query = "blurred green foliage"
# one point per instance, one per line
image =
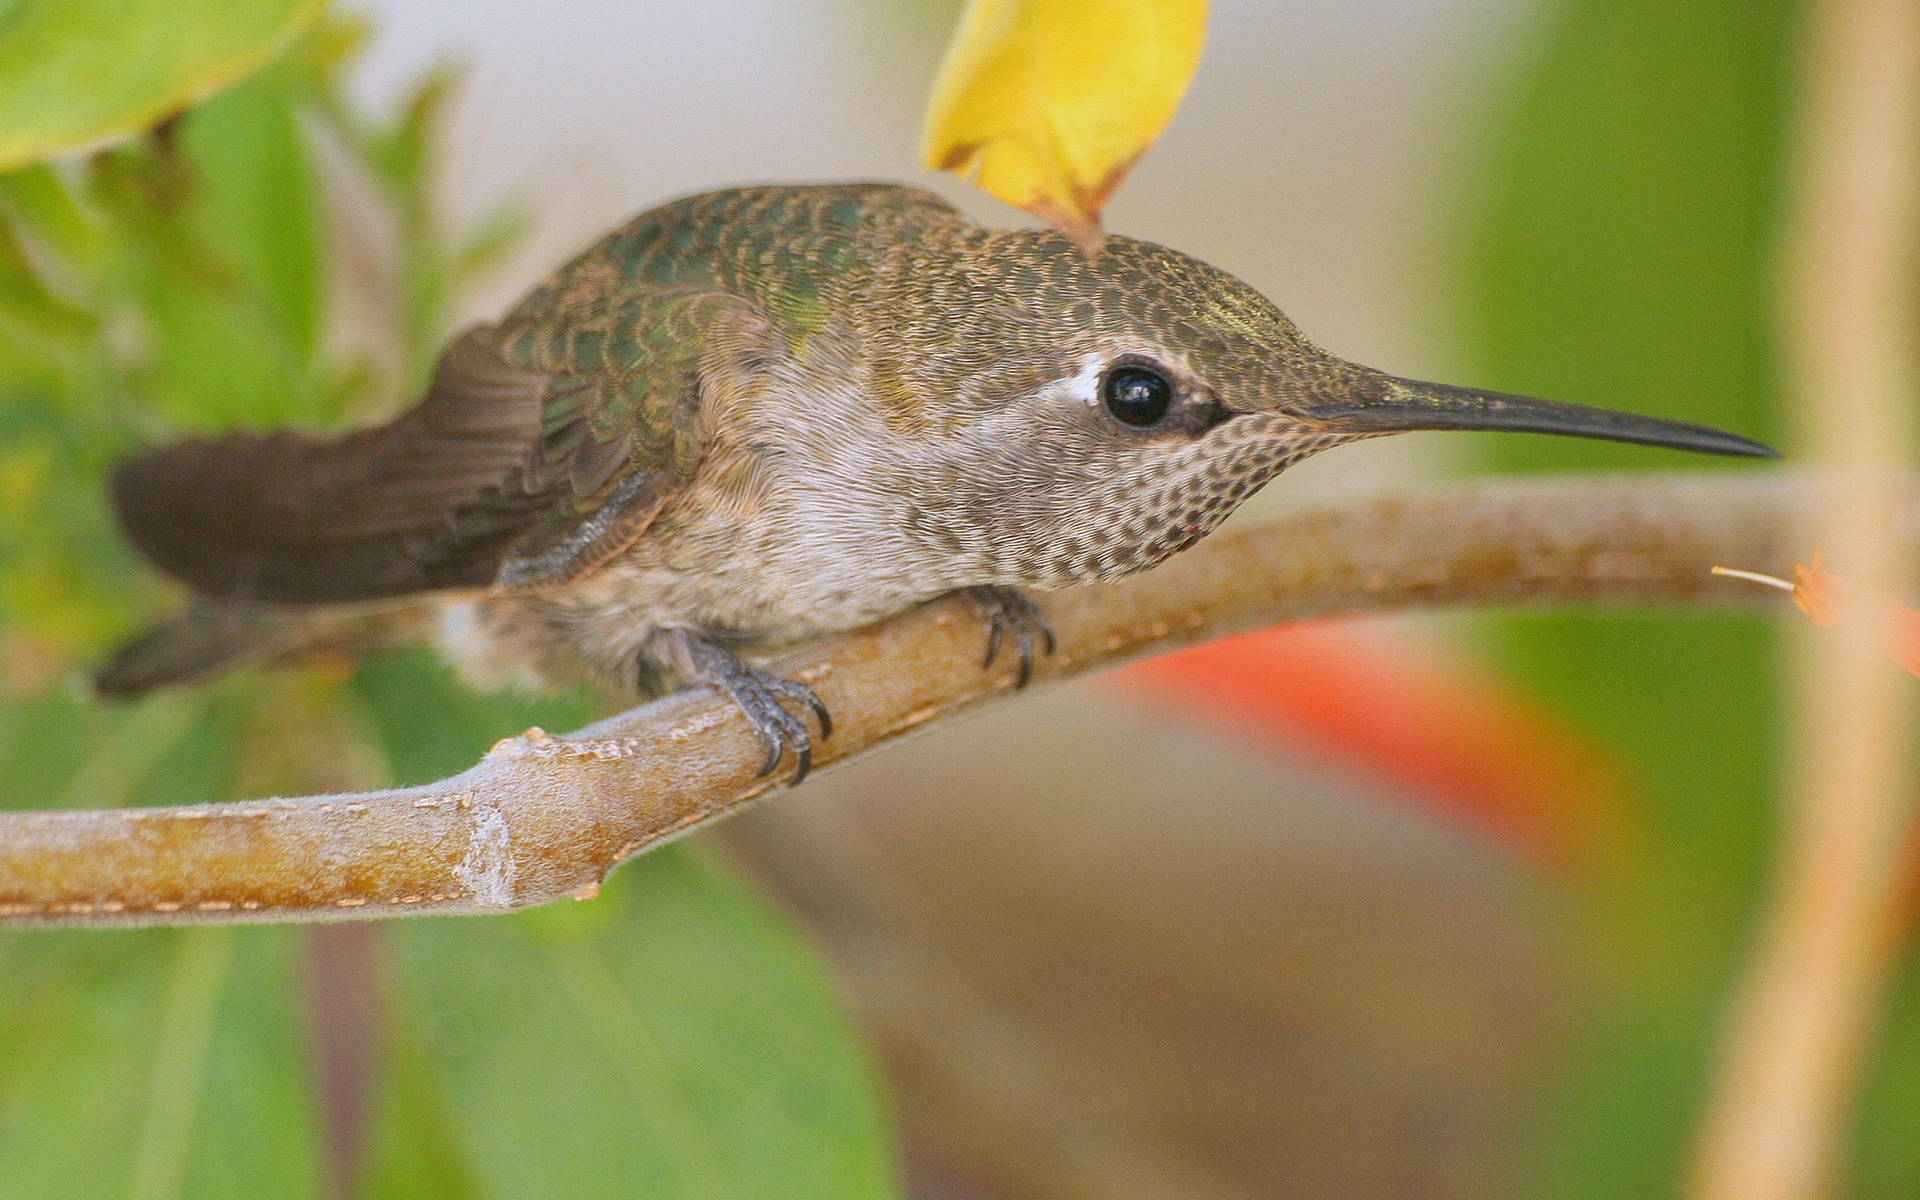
(154, 1065)
(674, 1038)
(74, 72)
(1621, 253)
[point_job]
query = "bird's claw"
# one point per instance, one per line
(762, 698)
(1010, 614)
(759, 696)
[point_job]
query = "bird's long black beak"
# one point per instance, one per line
(1385, 404)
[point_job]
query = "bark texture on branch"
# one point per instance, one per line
(541, 818)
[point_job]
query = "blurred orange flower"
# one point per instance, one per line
(1829, 599)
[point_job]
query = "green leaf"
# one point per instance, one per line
(1887, 1127)
(259, 204)
(224, 251)
(39, 199)
(670, 1039)
(30, 313)
(77, 72)
(60, 751)
(154, 1065)
(415, 1151)
(430, 726)
(147, 1063)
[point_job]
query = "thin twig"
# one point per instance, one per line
(541, 818)
(1806, 1011)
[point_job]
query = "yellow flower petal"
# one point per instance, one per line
(1052, 101)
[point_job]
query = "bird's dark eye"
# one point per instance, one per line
(1137, 395)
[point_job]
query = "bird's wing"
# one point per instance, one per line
(543, 447)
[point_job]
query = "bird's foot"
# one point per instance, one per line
(760, 697)
(1009, 614)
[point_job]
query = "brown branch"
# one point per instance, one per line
(541, 818)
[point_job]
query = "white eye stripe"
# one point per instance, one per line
(1084, 385)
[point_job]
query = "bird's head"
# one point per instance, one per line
(1095, 415)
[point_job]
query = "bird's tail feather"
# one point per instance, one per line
(208, 639)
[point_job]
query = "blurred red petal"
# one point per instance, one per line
(1421, 723)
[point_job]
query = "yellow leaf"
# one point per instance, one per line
(1052, 101)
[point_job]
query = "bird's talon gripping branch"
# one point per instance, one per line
(760, 697)
(1007, 611)
(763, 698)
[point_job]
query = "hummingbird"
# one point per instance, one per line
(757, 416)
